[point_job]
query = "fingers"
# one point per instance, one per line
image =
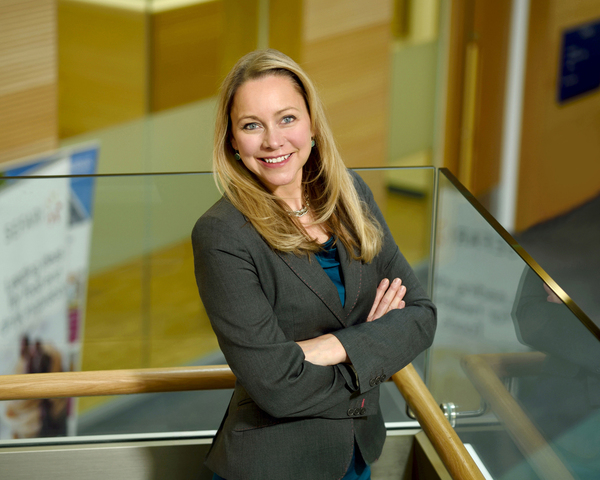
(392, 299)
(397, 302)
(381, 289)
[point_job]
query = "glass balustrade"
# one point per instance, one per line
(115, 268)
(515, 360)
(98, 275)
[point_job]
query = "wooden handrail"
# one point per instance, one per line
(483, 370)
(436, 426)
(151, 380)
(115, 382)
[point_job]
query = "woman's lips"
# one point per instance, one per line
(276, 160)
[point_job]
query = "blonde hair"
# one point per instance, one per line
(328, 184)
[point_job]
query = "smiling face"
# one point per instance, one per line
(271, 130)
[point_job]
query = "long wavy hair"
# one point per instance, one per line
(327, 183)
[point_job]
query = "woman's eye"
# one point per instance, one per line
(251, 126)
(288, 119)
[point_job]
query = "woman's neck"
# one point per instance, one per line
(293, 197)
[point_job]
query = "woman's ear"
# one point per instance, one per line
(234, 143)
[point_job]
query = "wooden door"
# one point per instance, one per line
(477, 58)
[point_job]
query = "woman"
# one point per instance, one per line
(288, 264)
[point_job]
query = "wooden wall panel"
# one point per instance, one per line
(102, 66)
(560, 146)
(186, 53)
(121, 61)
(240, 32)
(354, 85)
(286, 23)
(345, 48)
(28, 123)
(340, 17)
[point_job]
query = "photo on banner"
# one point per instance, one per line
(45, 235)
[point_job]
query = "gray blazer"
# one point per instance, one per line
(289, 418)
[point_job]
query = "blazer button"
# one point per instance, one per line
(363, 411)
(350, 412)
(383, 377)
(372, 382)
(356, 411)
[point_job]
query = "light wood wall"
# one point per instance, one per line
(560, 150)
(27, 78)
(102, 66)
(185, 53)
(346, 49)
(120, 61)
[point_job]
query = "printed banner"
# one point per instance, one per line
(45, 233)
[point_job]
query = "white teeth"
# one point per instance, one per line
(277, 159)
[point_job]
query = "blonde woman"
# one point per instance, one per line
(311, 300)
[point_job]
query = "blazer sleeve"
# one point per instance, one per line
(380, 348)
(268, 365)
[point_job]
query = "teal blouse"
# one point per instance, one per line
(329, 259)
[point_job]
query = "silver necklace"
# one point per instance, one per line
(303, 211)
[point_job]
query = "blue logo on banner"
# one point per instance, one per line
(83, 161)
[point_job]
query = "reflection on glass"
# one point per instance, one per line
(505, 339)
(563, 396)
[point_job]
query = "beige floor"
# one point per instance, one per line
(147, 313)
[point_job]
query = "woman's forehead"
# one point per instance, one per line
(270, 93)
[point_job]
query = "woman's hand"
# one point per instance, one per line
(387, 299)
(324, 350)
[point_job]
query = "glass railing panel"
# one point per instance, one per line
(406, 197)
(141, 308)
(130, 298)
(512, 352)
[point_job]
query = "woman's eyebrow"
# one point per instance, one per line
(278, 112)
(285, 109)
(248, 117)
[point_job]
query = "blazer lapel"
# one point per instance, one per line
(352, 271)
(315, 278)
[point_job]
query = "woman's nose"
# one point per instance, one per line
(273, 139)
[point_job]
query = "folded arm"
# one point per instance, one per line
(328, 350)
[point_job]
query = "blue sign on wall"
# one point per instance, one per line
(580, 61)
